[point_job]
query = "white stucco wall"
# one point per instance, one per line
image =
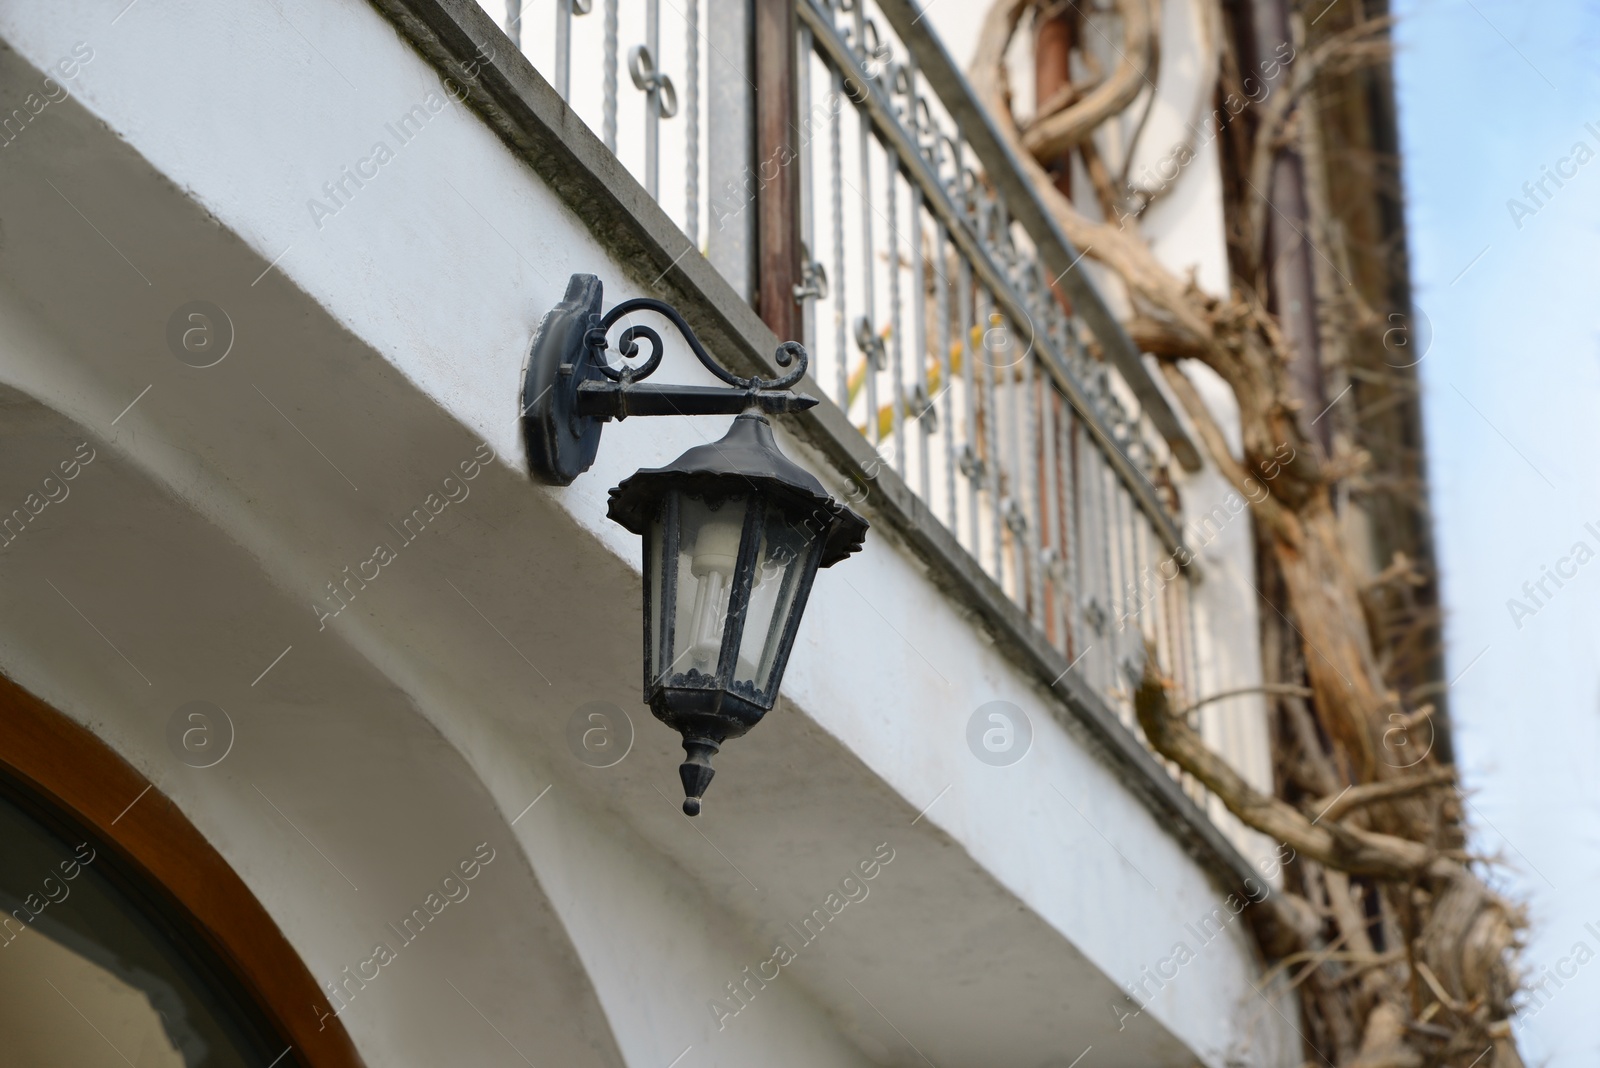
(393, 334)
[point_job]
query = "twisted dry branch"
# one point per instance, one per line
(1381, 835)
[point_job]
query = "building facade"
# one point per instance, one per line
(333, 713)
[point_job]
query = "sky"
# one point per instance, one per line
(1491, 94)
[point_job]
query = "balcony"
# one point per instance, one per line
(949, 320)
(1023, 473)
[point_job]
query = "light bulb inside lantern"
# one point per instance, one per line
(716, 551)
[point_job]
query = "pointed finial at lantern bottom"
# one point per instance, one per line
(696, 772)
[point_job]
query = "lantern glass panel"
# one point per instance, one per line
(657, 585)
(784, 564)
(708, 553)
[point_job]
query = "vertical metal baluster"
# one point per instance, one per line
(1067, 583)
(1184, 612)
(1027, 494)
(1176, 665)
(1105, 583)
(1072, 531)
(1033, 465)
(919, 345)
(841, 313)
(983, 459)
(1157, 557)
(1136, 568)
(514, 22)
(1176, 669)
(1191, 641)
(1130, 556)
(609, 107)
(1015, 479)
(968, 300)
(1179, 655)
(1018, 381)
(691, 120)
(1184, 621)
(652, 100)
(1180, 662)
(727, 158)
(868, 273)
(1130, 537)
(564, 49)
(1049, 520)
(919, 299)
(808, 236)
(1136, 573)
(897, 414)
(1119, 549)
(1165, 619)
(1013, 448)
(1187, 696)
(1151, 595)
(946, 385)
(992, 423)
(868, 297)
(1083, 524)
(1024, 490)
(1142, 632)
(979, 344)
(1091, 565)
(1106, 507)
(1180, 623)
(1130, 563)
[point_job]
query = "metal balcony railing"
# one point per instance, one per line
(983, 378)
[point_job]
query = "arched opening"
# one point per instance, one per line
(91, 962)
(124, 936)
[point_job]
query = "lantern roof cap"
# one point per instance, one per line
(749, 455)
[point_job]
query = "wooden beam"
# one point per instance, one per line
(777, 175)
(1052, 74)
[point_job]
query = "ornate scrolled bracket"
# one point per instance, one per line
(570, 389)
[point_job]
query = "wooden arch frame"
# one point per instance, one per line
(71, 768)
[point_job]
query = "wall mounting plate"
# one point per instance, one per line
(561, 443)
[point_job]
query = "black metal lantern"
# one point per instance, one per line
(733, 531)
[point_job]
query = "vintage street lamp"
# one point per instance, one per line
(733, 531)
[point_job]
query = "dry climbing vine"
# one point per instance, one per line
(1401, 954)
